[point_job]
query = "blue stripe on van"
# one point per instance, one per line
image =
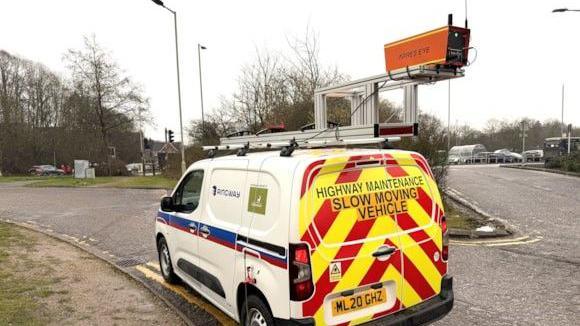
(222, 237)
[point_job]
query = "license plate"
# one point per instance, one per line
(362, 300)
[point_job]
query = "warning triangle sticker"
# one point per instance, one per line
(335, 272)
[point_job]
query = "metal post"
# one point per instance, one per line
(142, 150)
(562, 125)
(523, 136)
(569, 137)
(199, 47)
(448, 116)
(179, 93)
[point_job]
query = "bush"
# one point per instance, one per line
(569, 163)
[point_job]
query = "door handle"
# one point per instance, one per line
(204, 231)
(384, 251)
(192, 227)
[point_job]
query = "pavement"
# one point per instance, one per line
(532, 278)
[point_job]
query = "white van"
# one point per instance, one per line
(325, 236)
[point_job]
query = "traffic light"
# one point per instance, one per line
(170, 135)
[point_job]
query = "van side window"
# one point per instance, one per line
(187, 196)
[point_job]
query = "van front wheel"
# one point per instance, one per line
(256, 313)
(165, 262)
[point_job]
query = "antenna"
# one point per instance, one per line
(465, 13)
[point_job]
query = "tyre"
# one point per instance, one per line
(165, 262)
(256, 313)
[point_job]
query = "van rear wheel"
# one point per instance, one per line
(256, 313)
(165, 262)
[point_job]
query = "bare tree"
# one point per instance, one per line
(116, 102)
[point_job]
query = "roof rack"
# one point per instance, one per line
(288, 147)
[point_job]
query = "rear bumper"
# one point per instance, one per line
(423, 313)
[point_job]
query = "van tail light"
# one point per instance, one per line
(301, 286)
(445, 233)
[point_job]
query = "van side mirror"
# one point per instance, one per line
(167, 204)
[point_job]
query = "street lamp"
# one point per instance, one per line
(562, 125)
(199, 48)
(564, 10)
(160, 3)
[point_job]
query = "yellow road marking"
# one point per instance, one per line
(209, 308)
(153, 265)
(498, 242)
(513, 243)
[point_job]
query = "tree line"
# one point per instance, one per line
(47, 118)
(498, 134)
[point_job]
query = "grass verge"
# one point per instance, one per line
(20, 296)
(458, 218)
(21, 178)
(156, 182)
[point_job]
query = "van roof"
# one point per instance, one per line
(315, 153)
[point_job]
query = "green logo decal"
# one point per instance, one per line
(258, 199)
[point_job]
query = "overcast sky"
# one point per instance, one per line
(525, 52)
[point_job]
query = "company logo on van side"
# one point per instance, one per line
(225, 192)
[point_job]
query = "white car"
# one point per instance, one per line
(325, 237)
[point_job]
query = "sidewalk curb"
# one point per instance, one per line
(523, 167)
(509, 229)
(94, 252)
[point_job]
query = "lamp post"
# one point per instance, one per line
(562, 126)
(199, 48)
(160, 3)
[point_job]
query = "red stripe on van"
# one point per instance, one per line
(416, 279)
(392, 168)
(348, 176)
(322, 288)
(309, 175)
(406, 222)
(429, 247)
(323, 285)
(322, 221)
(422, 163)
(378, 268)
(427, 204)
(359, 231)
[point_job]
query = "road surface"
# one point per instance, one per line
(531, 279)
(519, 283)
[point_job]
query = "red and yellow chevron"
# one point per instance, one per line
(341, 236)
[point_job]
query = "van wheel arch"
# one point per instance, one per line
(168, 273)
(252, 290)
(158, 237)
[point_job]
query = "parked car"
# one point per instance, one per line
(506, 156)
(533, 155)
(45, 170)
(453, 159)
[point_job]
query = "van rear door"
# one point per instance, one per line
(348, 216)
(421, 237)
